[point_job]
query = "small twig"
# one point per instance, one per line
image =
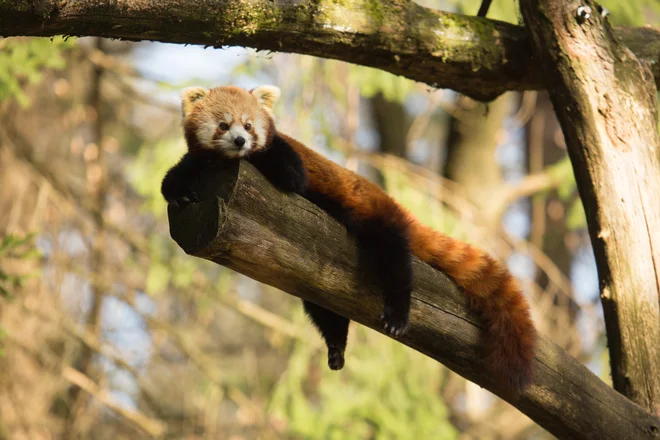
(483, 9)
(150, 426)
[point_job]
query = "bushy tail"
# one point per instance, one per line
(509, 333)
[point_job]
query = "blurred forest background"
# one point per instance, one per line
(109, 331)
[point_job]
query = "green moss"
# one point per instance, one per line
(240, 19)
(455, 37)
(16, 5)
(375, 10)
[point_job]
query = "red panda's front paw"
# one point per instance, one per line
(189, 196)
(394, 321)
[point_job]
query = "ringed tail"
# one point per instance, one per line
(509, 336)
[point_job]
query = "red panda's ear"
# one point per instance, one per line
(266, 95)
(189, 96)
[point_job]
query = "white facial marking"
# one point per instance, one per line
(205, 133)
(227, 142)
(259, 127)
(228, 118)
(244, 118)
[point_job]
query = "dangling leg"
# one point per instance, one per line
(333, 328)
(386, 249)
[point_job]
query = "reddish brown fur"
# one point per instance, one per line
(492, 291)
(229, 99)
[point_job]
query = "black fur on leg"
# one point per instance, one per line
(333, 328)
(385, 255)
(385, 250)
(282, 166)
(179, 182)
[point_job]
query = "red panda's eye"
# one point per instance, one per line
(224, 126)
(248, 126)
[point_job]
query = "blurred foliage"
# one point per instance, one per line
(145, 174)
(16, 248)
(3, 335)
(146, 171)
(385, 391)
(372, 81)
(22, 62)
(576, 218)
(633, 13)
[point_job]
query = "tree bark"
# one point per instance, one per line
(245, 224)
(477, 57)
(605, 100)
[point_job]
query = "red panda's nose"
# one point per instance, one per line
(239, 141)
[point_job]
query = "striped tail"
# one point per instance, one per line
(509, 334)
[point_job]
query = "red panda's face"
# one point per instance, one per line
(229, 119)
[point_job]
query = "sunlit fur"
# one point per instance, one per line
(380, 225)
(205, 111)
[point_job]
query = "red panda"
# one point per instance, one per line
(232, 123)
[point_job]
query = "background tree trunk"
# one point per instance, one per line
(471, 150)
(548, 211)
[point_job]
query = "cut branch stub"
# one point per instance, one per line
(282, 240)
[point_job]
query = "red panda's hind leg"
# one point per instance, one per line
(333, 328)
(385, 251)
(385, 256)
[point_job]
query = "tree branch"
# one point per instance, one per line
(153, 427)
(477, 57)
(282, 240)
(606, 104)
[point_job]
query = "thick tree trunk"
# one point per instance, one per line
(477, 57)
(97, 185)
(282, 240)
(392, 124)
(471, 146)
(605, 100)
(549, 223)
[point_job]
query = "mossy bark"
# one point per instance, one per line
(477, 57)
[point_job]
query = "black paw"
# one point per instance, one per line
(184, 198)
(335, 358)
(394, 321)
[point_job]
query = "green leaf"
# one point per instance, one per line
(22, 61)
(576, 217)
(562, 171)
(6, 294)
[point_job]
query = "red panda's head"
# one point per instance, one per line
(229, 119)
